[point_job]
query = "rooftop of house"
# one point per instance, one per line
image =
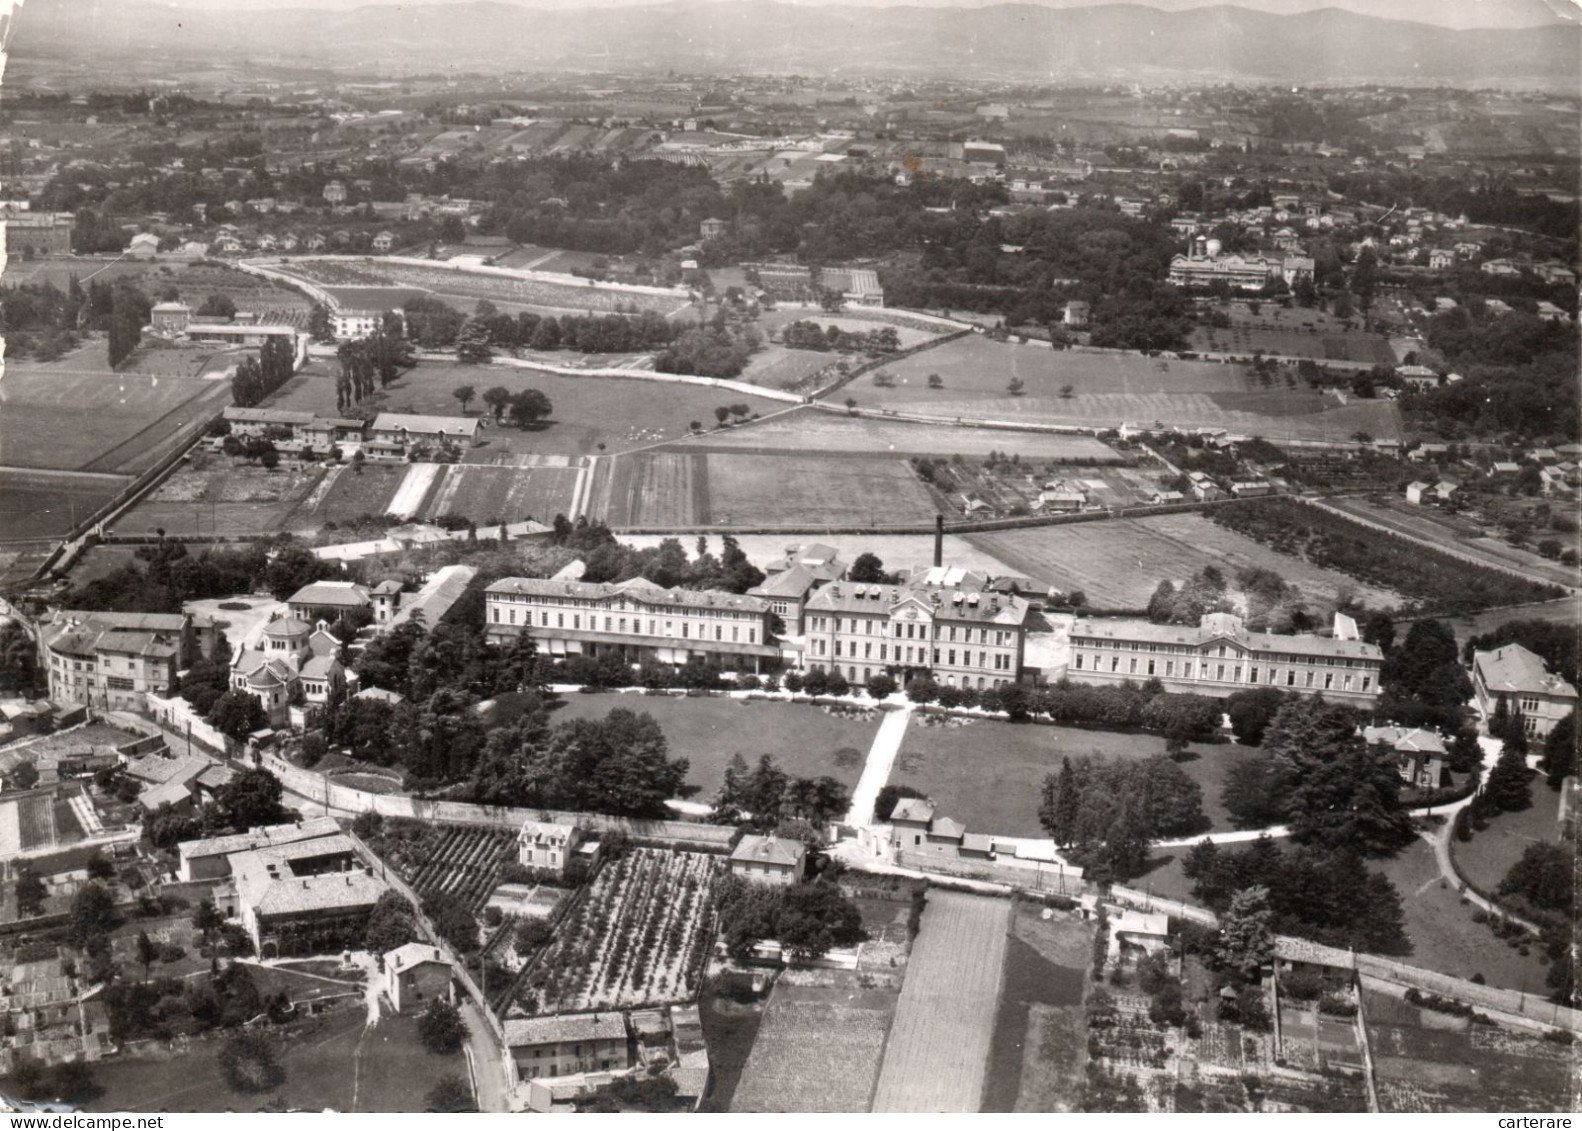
(261, 836)
(155, 769)
(425, 425)
(913, 809)
(1404, 739)
(166, 793)
(1221, 626)
(327, 593)
(638, 589)
(793, 582)
(412, 954)
(546, 831)
(947, 829)
(769, 850)
(1516, 670)
(527, 1032)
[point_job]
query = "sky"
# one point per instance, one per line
(1448, 13)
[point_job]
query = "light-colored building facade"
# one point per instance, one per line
(944, 620)
(209, 858)
(635, 619)
(1219, 656)
(111, 660)
(303, 898)
(567, 1044)
(775, 860)
(547, 845)
(1519, 676)
(416, 974)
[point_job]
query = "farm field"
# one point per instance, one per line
(1429, 1062)
(650, 489)
(1296, 332)
(45, 504)
(1112, 388)
(511, 493)
(989, 774)
(637, 937)
(1464, 537)
(818, 1049)
(1119, 563)
(1040, 1049)
(936, 1057)
(591, 414)
(813, 430)
(565, 293)
(851, 320)
(897, 551)
(59, 269)
(1443, 934)
(777, 367)
(804, 740)
(461, 860)
(77, 414)
(749, 490)
(1563, 610)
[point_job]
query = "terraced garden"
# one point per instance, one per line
(457, 859)
(640, 935)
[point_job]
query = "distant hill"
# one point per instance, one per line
(1022, 42)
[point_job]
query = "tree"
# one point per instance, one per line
(1015, 386)
(1246, 941)
(1560, 752)
(1545, 876)
(248, 1063)
(92, 917)
(935, 381)
(816, 917)
(236, 714)
(18, 659)
(98, 866)
(464, 394)
(441, 1028)
(889, 797)
(147, 952)
(1061, 804)
(498, 399)
(1252, 711)
(451, 1094)
(867, 569)
(473, 344)
(217, 305)
(30, 894)
(319, 325)
(390, 924)
(881, 686)
(251, 798)
(1509, 788)
(530, 406)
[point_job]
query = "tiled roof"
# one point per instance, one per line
(917, 809)
(347, 593)
(326, 892)
(770, 850)
(1514, 669)
(425, 425)
(1415, 740)
(263, 836)
(947, 829)
(1216, 626)
(287, 626)
(412, 954)
(793, 582)
(638, 589)
(157, 770)
(525, 1032)
(942, 603)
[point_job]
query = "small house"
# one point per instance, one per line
(416, 974)
(547, 845)
(769, 860)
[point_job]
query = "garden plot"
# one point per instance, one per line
(639, 936)
(460, 860)
(818, 1049)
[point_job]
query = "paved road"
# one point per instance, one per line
(484, 1061)
(876, 771)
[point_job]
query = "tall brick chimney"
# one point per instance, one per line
(939, 540)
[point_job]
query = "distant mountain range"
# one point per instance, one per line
(1440, 13)
(1019, 42)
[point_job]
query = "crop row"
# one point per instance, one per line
(635, 937)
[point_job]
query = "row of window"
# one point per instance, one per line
(627, 624)
(860, 675)
(1217, 672)
(621, 606)
(908, 630)
(1221, 652)
(909, 654)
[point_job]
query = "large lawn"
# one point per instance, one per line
(771, 490)
(989, 775)
(43, 504)
(76, 414)
(1441, 929)
(591, 414)
(814, 430)
(1119, 563)
(331, 1062)
(805, 741)
(1486, 858)
(1107, 389)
